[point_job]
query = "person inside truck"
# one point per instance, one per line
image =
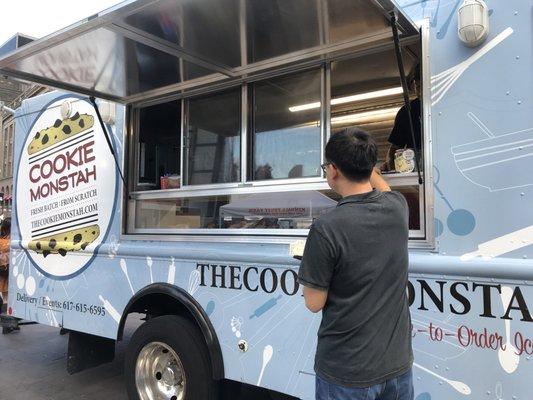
(400, 137)
(5, 232)
(354, 270)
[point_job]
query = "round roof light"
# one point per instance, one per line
(473, 24)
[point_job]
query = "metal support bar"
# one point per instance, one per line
(106, 134)
(6, 108)
(60, 85)
(168, 47)
(406, 101)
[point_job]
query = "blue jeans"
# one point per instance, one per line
(400, 388)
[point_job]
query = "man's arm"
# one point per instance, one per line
(316, 270)
(315, 299)
(377, 181)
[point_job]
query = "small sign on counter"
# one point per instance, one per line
(297, 249)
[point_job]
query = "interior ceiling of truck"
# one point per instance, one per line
(146, 49)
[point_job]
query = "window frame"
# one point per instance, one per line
(134, 119)
(422, 239)
(324, 133)
(184, 129)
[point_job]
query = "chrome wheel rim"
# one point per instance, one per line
(159, 373)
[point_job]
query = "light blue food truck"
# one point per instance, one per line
(176, 171)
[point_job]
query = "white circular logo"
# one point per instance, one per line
(65, 189)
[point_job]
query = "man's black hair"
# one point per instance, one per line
(414, 76)
(354, 152)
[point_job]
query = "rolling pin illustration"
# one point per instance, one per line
(266, 306)
(503, 244)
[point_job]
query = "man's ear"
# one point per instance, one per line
(335, 173)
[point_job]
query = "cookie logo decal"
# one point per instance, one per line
(61, 130)
(65, 190)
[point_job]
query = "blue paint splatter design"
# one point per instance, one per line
(461, 222)
(444, 28)
(210, 308)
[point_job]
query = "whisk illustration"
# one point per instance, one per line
(194, 282)
(442, 82)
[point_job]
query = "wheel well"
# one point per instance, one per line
(164, 299)
(157, 304)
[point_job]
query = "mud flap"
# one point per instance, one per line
(88, 351)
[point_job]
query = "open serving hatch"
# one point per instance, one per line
(146, 49)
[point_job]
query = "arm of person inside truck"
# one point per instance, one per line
(388, 164)
(317, 269)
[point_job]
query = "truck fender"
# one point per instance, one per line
(174, 300)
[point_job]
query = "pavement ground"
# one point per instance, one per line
(33, 367)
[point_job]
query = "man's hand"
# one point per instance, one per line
(315, 299)
(385, 167)
(377, 181)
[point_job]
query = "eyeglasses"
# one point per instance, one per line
(324, 166)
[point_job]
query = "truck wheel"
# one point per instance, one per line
(167, 359)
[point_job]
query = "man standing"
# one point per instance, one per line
(354, 269)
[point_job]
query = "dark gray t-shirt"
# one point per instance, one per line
(358, 252)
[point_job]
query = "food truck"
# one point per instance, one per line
(176, 171)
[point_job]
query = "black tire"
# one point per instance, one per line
(188, 343)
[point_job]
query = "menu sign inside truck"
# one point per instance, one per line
(65, 189)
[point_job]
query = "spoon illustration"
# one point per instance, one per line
(498, 391)
(110, 309)
(171, 271)
(508, 358)
(461, 387)
(434, 20)
(149, 262)
(125, 270)
(267, 356)
(460, 222)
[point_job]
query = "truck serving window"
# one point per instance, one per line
(366, 93)
(158, 146)
(213, 139)
(251, 154)
(285, 137)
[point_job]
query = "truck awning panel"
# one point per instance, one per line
(144, 49)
